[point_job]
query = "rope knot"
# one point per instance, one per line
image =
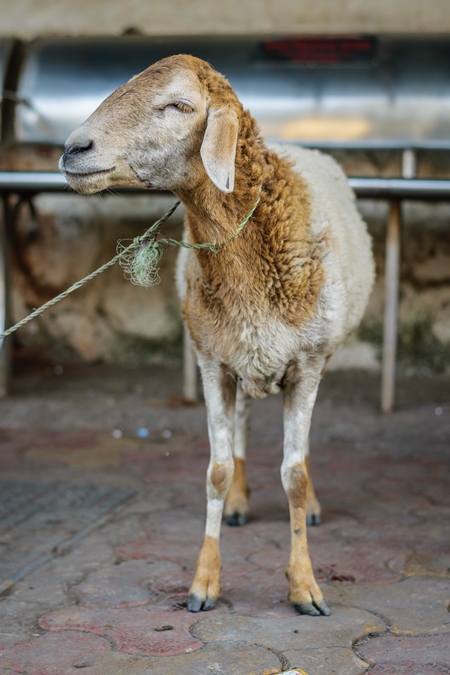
(140, 262)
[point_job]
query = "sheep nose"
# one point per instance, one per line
(78, 148)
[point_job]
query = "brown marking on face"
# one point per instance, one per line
(207, 578)
(149, 132)
(221, 477)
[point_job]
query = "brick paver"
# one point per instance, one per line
(51, 654)
(114, 602)
(153, 630)
(432, 649)
(409, 668)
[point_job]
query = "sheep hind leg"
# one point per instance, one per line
(236, 501)
(220, 395)
(313, 509)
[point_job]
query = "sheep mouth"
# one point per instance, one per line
(89, 182)
(88, 174)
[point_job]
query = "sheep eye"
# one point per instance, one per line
(181, 106)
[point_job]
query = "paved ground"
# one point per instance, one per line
(123, 522)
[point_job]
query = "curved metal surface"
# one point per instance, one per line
(398, 98)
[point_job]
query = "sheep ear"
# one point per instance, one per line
(218, 151)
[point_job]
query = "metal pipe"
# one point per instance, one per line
(190, 388)
(409, 163)
(401, 188)
(33, 181)
(374, 188)
(5, 296)
(392, 283)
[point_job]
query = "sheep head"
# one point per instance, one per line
(169, 128)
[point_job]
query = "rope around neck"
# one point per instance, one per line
(139, 260)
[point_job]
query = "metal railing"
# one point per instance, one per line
(365, 188)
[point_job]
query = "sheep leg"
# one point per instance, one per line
(313, 509)
(299, 395)
(220, 395)
(236, 501)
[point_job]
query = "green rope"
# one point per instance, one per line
(139, 260)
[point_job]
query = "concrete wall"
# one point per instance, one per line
(32, 18)
(109, 319)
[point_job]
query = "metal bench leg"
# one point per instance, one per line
(190, 389)
(392, 282)
(5, 344)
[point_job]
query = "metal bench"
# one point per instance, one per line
(332, 93)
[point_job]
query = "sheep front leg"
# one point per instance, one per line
(236, 502)
(313, 509)
(300, 392)
(219, 387)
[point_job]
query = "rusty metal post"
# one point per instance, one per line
(190, 388)
(392, 283)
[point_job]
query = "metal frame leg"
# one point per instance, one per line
(5, 294)
(392, 283)
(190, 388)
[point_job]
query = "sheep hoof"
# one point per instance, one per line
(196, 604)
(313, 519)
(236, 519)
(313, 610)
(210, 603)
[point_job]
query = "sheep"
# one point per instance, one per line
(269, 309)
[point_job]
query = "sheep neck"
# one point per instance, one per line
(275, 264)
(215, 216)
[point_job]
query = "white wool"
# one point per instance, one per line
(350, 266)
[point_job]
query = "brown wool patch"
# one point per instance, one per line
(237, 497)
(298, 479)
(220, 476)
(273, 270)
(274, 267)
